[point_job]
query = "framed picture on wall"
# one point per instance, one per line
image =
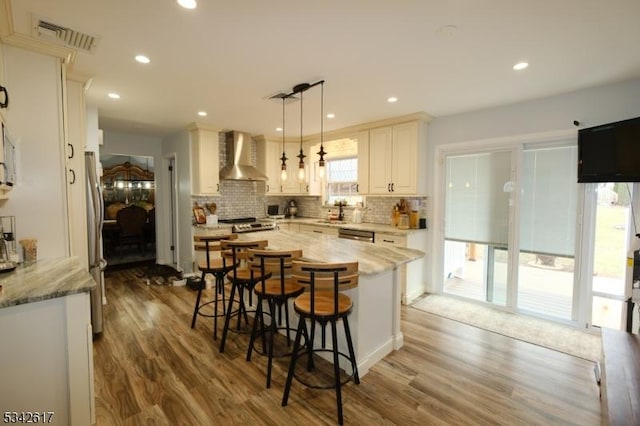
(198, 214)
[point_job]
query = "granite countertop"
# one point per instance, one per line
(375, 227)
(372, 258)
(44, 279)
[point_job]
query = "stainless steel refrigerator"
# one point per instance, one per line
(95, 218)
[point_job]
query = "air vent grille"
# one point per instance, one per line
(277, 97)
(57, 33)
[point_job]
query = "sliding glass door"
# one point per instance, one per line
(548, 213)
(476, 240)
(510, 227)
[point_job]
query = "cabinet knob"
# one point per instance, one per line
(73, 176)
(71, 151)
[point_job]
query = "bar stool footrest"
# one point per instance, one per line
(332, 385)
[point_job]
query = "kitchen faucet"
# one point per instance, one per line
(340, 211)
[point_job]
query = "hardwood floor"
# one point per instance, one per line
(152, 368)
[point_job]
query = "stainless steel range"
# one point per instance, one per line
(249, 224)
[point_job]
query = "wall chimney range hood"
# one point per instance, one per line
(239, 165)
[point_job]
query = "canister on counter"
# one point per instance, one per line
(414, 219)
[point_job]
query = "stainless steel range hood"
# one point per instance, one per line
(239, 165)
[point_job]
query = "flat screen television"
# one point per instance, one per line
(610, 152)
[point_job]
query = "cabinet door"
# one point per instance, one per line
(2, 83)
(380, 152)
(292, 185)
(205, 162)
(314, 182)
(272, 168)
(75, 142)
(319, 229)
(404, 158)
(362, 139)
(268, 156)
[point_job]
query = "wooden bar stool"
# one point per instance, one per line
(242, 278)
(215, 266)
(323, 304)
(276, 291)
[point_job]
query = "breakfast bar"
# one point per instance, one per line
(375, 319)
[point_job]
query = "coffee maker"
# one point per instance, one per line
(291, 209)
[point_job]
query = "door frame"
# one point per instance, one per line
(515, 144)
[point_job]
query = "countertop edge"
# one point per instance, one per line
(44, 280)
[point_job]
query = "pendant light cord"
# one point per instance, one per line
(321, 114)
(301, 160)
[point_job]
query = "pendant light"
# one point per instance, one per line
(321, 153)
(301, 88)
(283, 166)
(301, 156)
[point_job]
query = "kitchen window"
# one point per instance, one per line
(342, 181)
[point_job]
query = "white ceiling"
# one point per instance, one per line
(226, 57)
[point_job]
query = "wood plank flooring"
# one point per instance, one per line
(152, 368)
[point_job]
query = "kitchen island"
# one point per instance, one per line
(46, 354)
(375, 319)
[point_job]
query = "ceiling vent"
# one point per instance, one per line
(47, 30)
(277, 97)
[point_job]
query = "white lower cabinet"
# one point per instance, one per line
(412, 275)
(46, 360)
(287, 226)
(319, 229)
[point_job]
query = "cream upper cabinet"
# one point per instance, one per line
(397, 158)
(205, 160)
(380, 161)
(362, 139)
(268, 162)
(4, 96)
(293, 185)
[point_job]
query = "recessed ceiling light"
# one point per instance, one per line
(113, 95)
(278, 129)
(188, 4)
(202, 113)
(392, 99)
(142, 59)
(331, 115)
(520, 66)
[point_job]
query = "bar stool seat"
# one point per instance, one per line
(216, 267)
(276, 291)
(323, 304)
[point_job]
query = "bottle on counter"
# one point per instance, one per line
(357, 213)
